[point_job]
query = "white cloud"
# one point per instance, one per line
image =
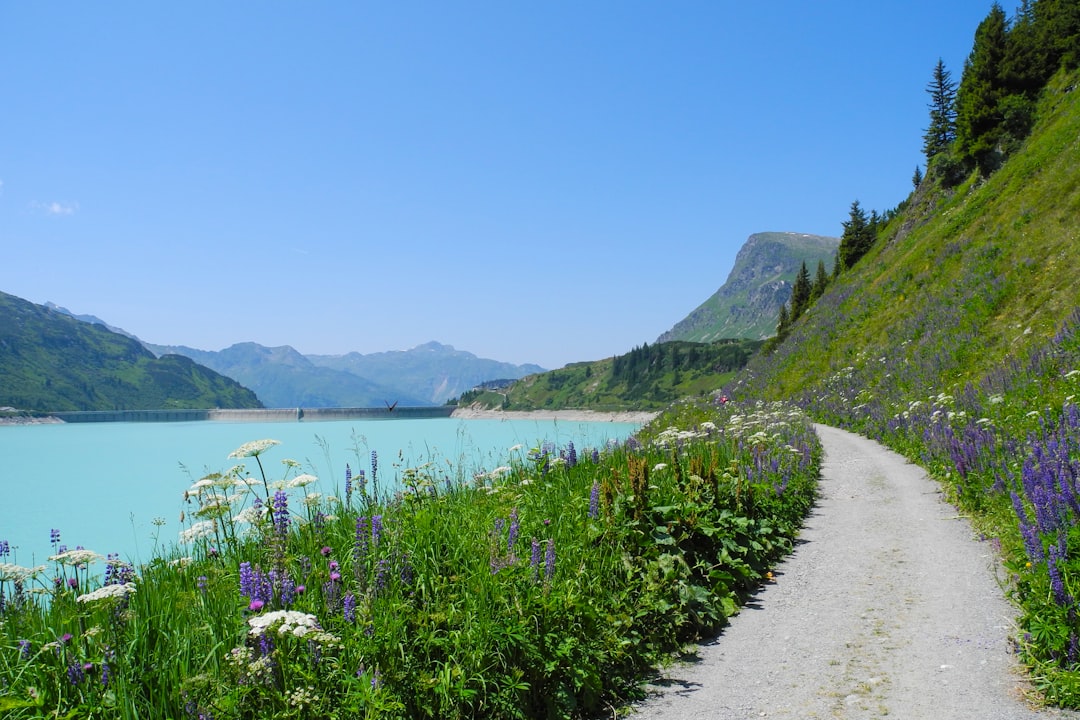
(57, 208)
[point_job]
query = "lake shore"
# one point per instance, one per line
(626, 416)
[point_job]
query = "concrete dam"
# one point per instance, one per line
(257, 414)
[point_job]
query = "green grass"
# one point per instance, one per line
(545, 588)
(646, 378)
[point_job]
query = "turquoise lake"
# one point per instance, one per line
(102, 485)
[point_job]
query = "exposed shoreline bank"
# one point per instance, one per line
(625, 416)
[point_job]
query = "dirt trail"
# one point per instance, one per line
(889, 607)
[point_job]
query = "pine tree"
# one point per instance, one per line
(942, 131)
(857, 238)
(916, 179)
(982, 88)
(821, 281)
(800, 293)
(783, 322)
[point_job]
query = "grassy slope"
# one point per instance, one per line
(963, 281)
(50, 361)
(661, 374)
(956, 341)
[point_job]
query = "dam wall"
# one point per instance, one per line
(257, 414)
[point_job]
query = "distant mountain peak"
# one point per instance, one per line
(748, 303)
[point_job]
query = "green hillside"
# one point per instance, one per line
(646, 378)
(760, 282)
(51, 362)
(956, 340)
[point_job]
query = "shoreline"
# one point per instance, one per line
(640, 417)
(623, 416)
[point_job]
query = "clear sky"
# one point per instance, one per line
(541, 182)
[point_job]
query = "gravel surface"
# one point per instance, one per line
(889, 606)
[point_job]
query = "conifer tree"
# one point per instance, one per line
(857, 238)
(821, 281)
(800, 292)
(783, 321)
(982, 88)
(916, 179)
(942, 130)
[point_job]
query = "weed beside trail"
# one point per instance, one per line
(544, 588)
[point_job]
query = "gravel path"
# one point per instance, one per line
(889, 606)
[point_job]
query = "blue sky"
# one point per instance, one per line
(531, 182)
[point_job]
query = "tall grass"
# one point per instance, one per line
(545, 588)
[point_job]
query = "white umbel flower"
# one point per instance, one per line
(253, 448)
(292, 623)
(106, 592)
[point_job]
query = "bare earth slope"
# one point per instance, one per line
(889, 607)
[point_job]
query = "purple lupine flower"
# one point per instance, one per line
(5, 549)
(361, 481)
(348, 484)
(288, 590)
(512, 535)
(75, 673)
(571, 455)
(54, 537)
(380, 576)
(24, 649)
(549, 560)
(331, 594)
(374, 466)
(1056, 583)
(266, 645)
(247, 580)
(201, 584)
(596, 456)
(406, 570)
(348, 607)
(376, 529)
(594, 500)
(281, 513)
(534, 559)
(360, 544)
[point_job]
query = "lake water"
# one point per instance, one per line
(102, 485)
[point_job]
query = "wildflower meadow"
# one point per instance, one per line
(545, 588)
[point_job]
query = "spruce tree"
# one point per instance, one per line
(857, 238)
(942, 130)
(821, 281)
(800, 292)
(783, 321)
(982, 88)
(916, 179)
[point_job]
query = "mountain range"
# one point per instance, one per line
(745, 306)
(428, 374)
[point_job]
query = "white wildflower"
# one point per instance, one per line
(301, 481)
(108, 591)
(250, 515)
(659, 466)
(198, 531)
(9, 571)
(292, 621)
(253, 448)
(76, 557)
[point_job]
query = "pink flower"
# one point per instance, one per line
(256, 605)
